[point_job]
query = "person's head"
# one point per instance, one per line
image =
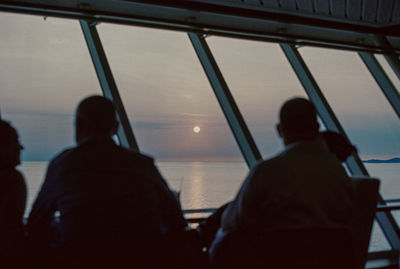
(338, 145)
(95, 116)
(297, 121)
(9, 145)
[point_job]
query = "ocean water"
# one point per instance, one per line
(211, 184)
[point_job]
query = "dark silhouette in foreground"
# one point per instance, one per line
(338, 145)
(12, 199)
(291, 205)
(103, 206)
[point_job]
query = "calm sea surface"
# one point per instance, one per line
(211, 184)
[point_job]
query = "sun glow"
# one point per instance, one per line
(196, 129)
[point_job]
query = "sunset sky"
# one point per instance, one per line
(46, 70)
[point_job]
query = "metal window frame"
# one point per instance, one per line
(232, 113)
(229, 19)
(394, 63)
(356, 167)
(382, 79)
(324, 110)
(227, 103)
(107, 83)
(390, 56)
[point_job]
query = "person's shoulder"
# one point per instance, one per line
(12, 179)
(19, 180)
(18, 175)
(12, 174)
(271, 163)
(61, 156)
(138, 157)
(137, 162)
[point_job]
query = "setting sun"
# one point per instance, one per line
(196, 129)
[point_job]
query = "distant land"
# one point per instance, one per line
(393, 160)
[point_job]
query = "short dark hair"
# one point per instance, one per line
(298, 117)
(97, 114)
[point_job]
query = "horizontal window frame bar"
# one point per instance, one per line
(386, 208)
(213, 23)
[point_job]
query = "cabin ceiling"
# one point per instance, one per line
(361, 25)
(367, 12)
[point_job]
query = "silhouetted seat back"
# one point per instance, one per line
(308, 248)
(366, 191)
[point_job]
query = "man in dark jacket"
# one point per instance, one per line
(101, 204)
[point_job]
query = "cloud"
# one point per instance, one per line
(147, 125)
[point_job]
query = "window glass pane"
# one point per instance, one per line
(166, 95)
(378, 241)
(389, 71)
(388, 173)
(364, 112)
(260, 79)
(366, 115)
(46, 71)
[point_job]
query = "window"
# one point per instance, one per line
(166, 95)
(46, 71)
(260, 79)
(365, 114)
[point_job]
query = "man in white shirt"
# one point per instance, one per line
(304, 187)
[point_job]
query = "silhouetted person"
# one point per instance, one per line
(338, 145)
(12, 198)
(102, 205)
(303, 188)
